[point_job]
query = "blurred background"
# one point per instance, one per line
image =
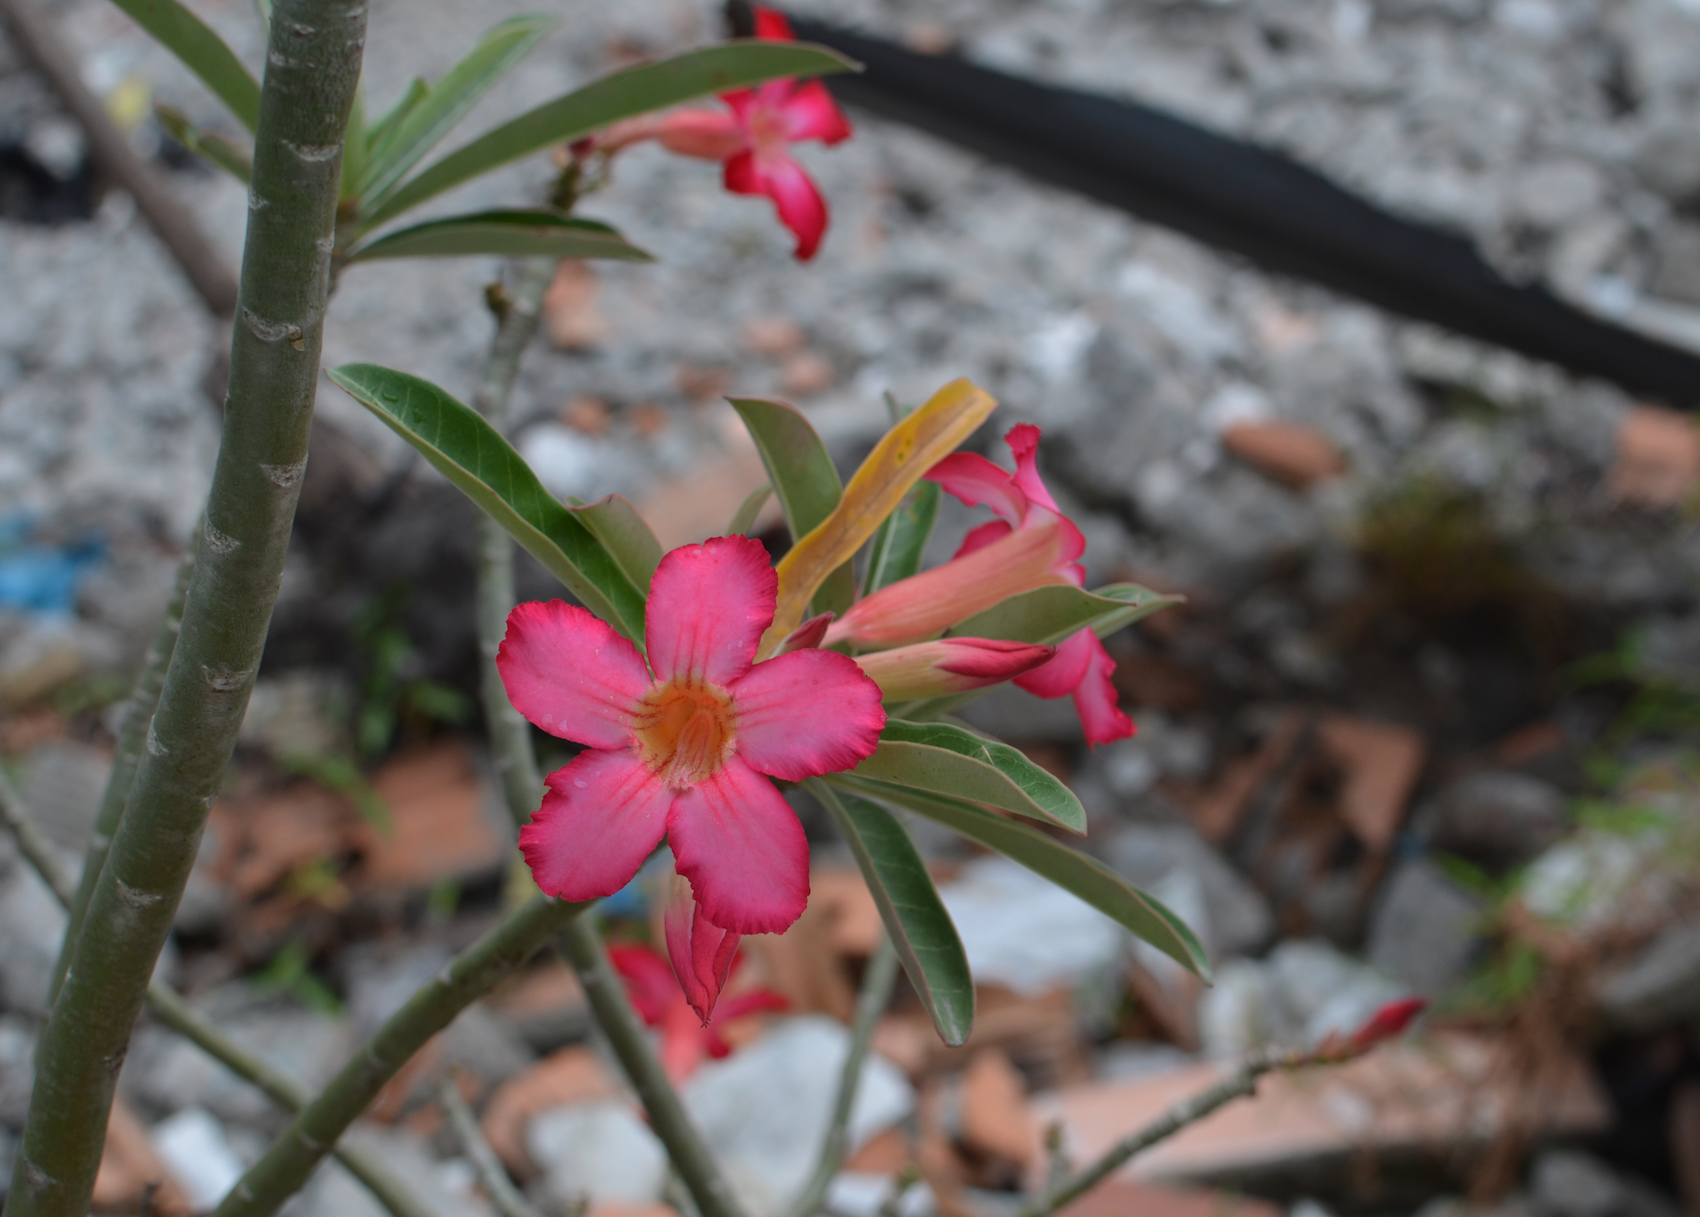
(1426, 721)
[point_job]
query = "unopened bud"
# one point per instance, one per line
(949, 665)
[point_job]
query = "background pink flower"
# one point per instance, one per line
(684, 744)
(685, 1038)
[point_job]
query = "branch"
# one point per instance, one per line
(877, 982)
(313, 63)
(110, 151)
(1242, 1083)
(170, 1008)
(504, 1196)
(132, 732)
(294, 1156)
(510, 740)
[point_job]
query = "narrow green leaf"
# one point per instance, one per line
(384, 126)
(901, 542)
(946, 759)
(474, 456)
(354, 150)
(210, 147)
(625, 535)
(447, 101)
(1050, 615)
(514, 234)
(744, 518)
(802, 474)
(202, 52)
(622, 95)
(909, 904)
(1068, 868)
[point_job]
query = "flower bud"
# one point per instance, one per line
(701, 951)
(949, 665)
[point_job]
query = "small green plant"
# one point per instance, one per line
(290, 972)
(393, 697)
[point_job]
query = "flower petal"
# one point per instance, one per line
(772, 25)
(1082, 667)
(568, 672)
(1023, 441)
(710, 135)
(743, 850)
(984, 535)
(601, 817)
(708, 606)
(979, 483)
(702, 952)
(805, 713)
(649, 981)
(809, 112)
(800, 206)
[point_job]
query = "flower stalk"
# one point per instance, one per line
(313, 63)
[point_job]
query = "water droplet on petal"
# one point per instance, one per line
(582, 785)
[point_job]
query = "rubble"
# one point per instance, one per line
(1496, 818)
(1426, 930)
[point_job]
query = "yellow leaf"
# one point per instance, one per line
(897, 462)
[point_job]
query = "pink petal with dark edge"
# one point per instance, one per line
(569, 673)
(708, 606)
(806, 713)
(601, 817)
(800, 206)
(743, 850)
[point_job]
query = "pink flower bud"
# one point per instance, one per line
(950, 665)
(1389, 1021)
(701, 951)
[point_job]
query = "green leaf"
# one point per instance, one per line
(1050, 615)
(384, 126)
(901, 542)
(515, 234)
(447, 101)
(909, 904)
(624, 534)
(202, 52)
(744, 518)
(1068, 868)
(802, 474)
(474, 456)
(943, 758)
(214, 149)
(622, 95)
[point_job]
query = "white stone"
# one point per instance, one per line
(600, 1151)
(193, 1148)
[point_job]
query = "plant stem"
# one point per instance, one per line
(516, 762)
(605, 992)
(504, 1196)
(171, 1009)
(294, 1156)
(871, 1002)
(132, 732)
(313, 62)
(510, 739)
(1242, 1083)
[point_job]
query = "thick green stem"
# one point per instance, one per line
(293, 1157)
(132, 733)
(871, 1002)
(312, 65)
(169, 1007)
(510, 740)
(606, 993)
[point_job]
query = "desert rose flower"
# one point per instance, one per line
(686, 1038)
(949, 665)
(752, 139)
(683, 745)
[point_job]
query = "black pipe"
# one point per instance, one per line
(1239, 197)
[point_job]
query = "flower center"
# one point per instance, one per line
(684, 732)
(768, 133)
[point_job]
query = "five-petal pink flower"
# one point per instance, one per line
(752, 139)
(683, 745)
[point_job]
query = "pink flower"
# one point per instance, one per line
(685, 1039)
(1031, 544)
(679, 746)
(753, 141)
(949, 665)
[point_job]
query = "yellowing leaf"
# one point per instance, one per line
(897, 462)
